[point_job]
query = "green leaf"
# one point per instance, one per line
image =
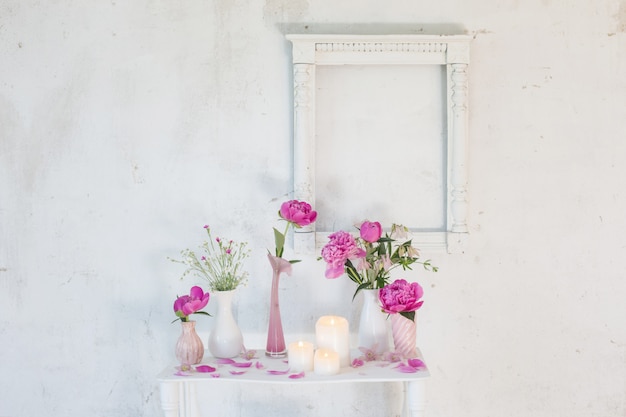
(359, 288)
(295, 261)
(408, 314)
(381, 281)
(279, 238)
(204, 313)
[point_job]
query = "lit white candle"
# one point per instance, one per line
(332, 332)
(326, 362)
(300, 356)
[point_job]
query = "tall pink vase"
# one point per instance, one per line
(189, 347)
(276, 347)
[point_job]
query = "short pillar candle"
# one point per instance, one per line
(332, 332)
(300, 355)
(326, 362)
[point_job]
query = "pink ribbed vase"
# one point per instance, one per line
(404, 336)
(189, 347)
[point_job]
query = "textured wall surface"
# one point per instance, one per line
(126, 126)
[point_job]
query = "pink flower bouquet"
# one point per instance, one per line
(369, 258)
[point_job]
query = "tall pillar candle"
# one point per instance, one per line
(332, 332)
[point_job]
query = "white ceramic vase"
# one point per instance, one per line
(373, 326)
(225, 340)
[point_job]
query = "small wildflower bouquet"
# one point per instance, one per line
(221, 263)
(369, 258)
(186, 305)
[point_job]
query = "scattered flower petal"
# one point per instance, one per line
(392, 357)
(406, 369)
(182, 373)
(370, 354)
(225, 361)
(272, 372)
(237, 372)
(297, 376)
(416, 363)
(205, 368)
(259, 365)
(357, 363)
(215, 375)
(248, 354)
(241, 364)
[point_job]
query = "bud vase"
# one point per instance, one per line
(189, 347)
(225, 340)
(275, 346)
(404, 336)
(373, 327)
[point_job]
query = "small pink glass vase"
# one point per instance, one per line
(275, 347)
(189, 347)
(404, 336)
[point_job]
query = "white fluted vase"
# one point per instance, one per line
(225, 340)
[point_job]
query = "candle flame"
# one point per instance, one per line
(300, 344)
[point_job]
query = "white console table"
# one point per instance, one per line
(178, 393)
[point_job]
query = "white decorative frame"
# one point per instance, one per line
(310, 51)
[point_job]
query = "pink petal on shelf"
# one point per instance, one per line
(357, 363)
(215, 375)
(237, 372)
(182, 373)
(259, 365)
(278, 372)
(225, 361)
(248, 354)
(241, 364)
(205, 368)
(416, 363)
(406, 369)
(297, 376)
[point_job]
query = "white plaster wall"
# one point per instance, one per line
(126, 126)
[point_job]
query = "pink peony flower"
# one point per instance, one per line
(189, 304)
(401, 296)
(371, 231)
(341, 247)
(298, 212)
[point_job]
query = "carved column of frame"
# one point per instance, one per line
(304, 148)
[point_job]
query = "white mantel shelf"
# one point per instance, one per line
(178, 398)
